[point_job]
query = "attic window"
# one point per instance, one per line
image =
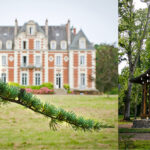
(82, 43)
(53, 44)
(63, 44)
(9, 44)
(31, 30)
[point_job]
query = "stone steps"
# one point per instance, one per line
(60, 91)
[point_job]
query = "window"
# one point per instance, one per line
(4, 77)
(24, 60)
(0, 44)
(37, 45)
(37, 61)
(82, 80)
(82, 43)
(9, 44)
(82, 60)
(63, 45)
(53, 44)
(3, 60)
(58, 60)
(24, 78)
(24, 44)
(31, 30)
(37, 79)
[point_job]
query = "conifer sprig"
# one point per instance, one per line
(14, 94)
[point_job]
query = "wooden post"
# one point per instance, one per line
(149, 102)
(144, 101)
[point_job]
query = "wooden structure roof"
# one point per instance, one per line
(143, 78)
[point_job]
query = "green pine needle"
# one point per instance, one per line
(14, 94)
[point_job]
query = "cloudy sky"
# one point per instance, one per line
(97, 18)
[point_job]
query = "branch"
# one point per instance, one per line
(19, 96)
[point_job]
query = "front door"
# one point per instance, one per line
(58, 80)
(82, 81)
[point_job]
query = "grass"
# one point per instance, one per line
(136, 145)
(134, 130)
(23, 129)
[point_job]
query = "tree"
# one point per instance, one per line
(133, 26)
(16, 95)
(106, 67)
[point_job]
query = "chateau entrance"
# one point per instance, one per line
(82, 80)
(58, 80)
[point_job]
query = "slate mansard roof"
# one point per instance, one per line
(57, 33)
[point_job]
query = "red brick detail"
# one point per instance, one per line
(31, 58)
(75, 60)
(65, 63)
(31, 44)
(51, 63)
(51, 75)
(10, 63)
(30, 77)
(89, 78)
(89, 60)
(66, 76)
(75, 78)
(10, 75)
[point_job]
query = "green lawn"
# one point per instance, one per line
(22, 129)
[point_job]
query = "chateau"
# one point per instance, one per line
(32, 54)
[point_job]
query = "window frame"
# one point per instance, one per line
(24, 78)
(4, 78)
(51, 45)
(81, 44)
(4, 64)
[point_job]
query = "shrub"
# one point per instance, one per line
(48, 85)
(67, 87)
(43, 90)
(14, 84)
(34, 87)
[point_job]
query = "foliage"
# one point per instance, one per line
(33, 87)
(67, 88)
(136, 92)
(20, 96)
(106, 67)
(133, 29)
(127, 142)
(29, 131)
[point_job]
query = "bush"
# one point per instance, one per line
(13, 84)
(43, 90)
(67, 87)
(34, 87)
(48, 85)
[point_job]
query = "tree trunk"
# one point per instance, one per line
(127, 102)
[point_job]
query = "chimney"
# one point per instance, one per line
(74, 31)
(46, 27)
(68, 32)
(16, 27)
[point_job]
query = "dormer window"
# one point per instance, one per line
(9, 44)
(82, 43)
(63, 45)
(53, 45)
(0, 44)
(31, 29)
